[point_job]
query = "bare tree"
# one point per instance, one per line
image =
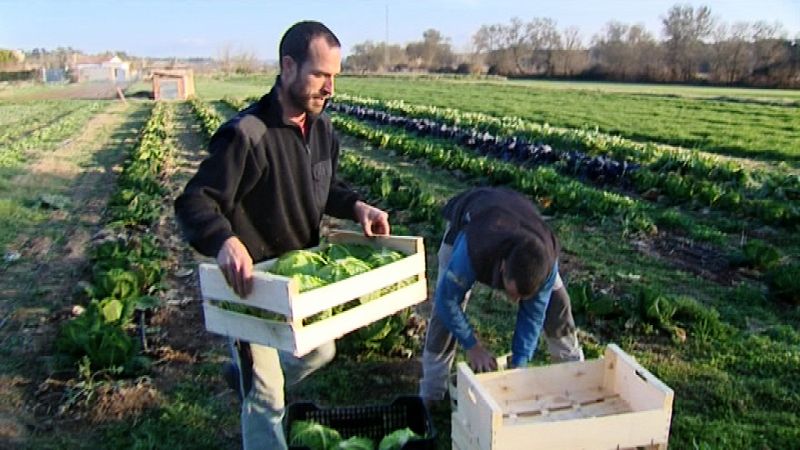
(611, 50)
(490, 42)
(433, 52)
(543, 39)
(645, 60)
(570, 57)
(370, 57)
(769, 48)
(731, 59)
(685, 29)
(225, 58)
(516, 40)
(627, 52)
(488, 38)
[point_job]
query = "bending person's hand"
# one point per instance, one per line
(373, 221)
(236, 264)
(481, 360)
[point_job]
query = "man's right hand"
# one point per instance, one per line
(481, 360)
(236, 264)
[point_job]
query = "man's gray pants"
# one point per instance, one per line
(263, 403)
(440, 345)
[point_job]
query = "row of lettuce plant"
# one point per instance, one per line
(553, 192)
(13, 151)
(209, 119)
(46, 114)
(126, 262)
(660, 157)
(665, 178)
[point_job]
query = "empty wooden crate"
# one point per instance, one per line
(280, 295)
(606, 403)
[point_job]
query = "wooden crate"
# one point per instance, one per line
(281, 295)
(606, 403)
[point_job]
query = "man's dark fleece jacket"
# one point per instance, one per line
(264, 183)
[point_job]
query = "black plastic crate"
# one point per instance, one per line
(372, 421)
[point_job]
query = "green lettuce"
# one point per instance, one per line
(397, 439)
(355, 443)
(313, 435)
(341, 269)
(298, 261)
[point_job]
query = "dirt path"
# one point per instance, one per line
(183, 336)
(37, 288)
(183, 344)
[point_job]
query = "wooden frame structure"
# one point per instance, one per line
(173, 84)
(281, 295)
(607, 403)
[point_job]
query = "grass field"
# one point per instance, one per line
(705, 317)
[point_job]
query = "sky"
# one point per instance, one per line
(203, 28)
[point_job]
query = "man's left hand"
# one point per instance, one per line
(373, 221)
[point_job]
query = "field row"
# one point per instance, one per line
(731, 127)
(673, 177)
(50, 128)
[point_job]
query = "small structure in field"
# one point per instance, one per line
(173, 84)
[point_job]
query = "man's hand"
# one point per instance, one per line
(236, 264)
(481, 360)
(373, 221)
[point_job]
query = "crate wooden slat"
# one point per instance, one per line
(607, 403)
(281, 295)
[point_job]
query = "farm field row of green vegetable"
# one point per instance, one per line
(657, 157)
(17, 209)
(554, 192)
(29, 124)
(54, 130)
(673, 177)
(13, 113)
(765, 132)
(754, 95)
(126, 264)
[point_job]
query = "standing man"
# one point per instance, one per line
(497, 237)
(262, 191)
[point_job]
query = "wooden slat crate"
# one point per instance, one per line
(281, 295)
(606, 403)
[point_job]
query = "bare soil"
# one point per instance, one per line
(86, 91)
(684, 254)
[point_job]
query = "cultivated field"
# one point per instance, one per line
(678, 209)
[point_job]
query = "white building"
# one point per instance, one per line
(92, 69)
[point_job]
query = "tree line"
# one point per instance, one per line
(695, 47)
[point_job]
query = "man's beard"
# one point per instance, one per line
(301, 100)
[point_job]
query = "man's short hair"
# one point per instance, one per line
(296, 40)
(527, 266)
